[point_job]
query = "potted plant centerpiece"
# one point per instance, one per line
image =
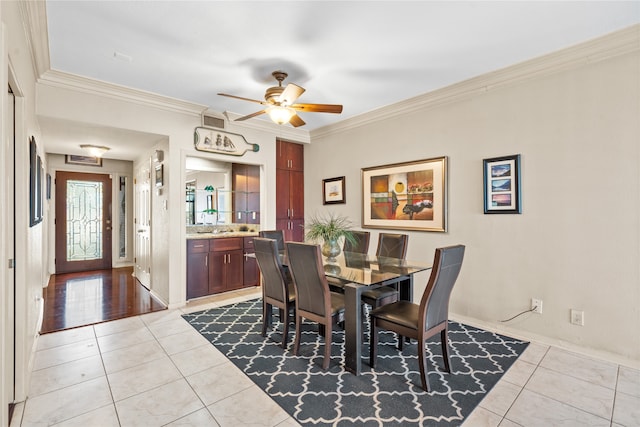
(330, 229)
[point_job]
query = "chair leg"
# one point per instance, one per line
(400, 342)
(373, 343)
(266, 317)
(296, 343)
(285, 327)
(444, 342)
(327, 347)
(422, 359)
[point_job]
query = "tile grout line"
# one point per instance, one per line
(104, 368)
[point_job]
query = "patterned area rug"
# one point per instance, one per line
(390, 395)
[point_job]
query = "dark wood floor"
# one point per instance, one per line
(78, 299)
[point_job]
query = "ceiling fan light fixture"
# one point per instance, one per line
(280, 115)
(95, 150)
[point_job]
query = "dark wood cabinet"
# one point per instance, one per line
(197, 268)
(290, 190)
(220, 265)
(289, 155)
(246, 193)
(251, 272)
(225, 264)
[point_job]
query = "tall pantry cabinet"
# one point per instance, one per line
(290, 190)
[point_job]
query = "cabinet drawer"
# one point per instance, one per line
(227, 244)
(248, 244)
(199, 245)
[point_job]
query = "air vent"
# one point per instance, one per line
(212, 122)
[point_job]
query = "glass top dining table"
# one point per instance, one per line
(361, 272)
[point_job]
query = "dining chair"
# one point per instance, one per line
(314, 300)
(277, 289)
(360, 243)
(427, 319)
(390, 246)
(277, 235)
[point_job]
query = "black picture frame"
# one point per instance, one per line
(333, 191)
(501, 183)
(35, 184)
(48, 184)
(159, 175)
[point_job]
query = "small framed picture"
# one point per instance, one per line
(333, 191)
(160, 175)
(72, 159)
(502, 185)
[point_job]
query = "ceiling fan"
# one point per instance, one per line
(280, 105)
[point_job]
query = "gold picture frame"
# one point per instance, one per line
(406, 196)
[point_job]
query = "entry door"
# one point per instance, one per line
(142, 205)
(83, 222)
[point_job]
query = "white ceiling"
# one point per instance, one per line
(362, 54)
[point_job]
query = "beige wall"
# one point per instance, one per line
(30, 242)
(576, 243)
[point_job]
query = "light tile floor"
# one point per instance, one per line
(155, 370)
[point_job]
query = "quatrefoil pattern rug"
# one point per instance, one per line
(390, 395)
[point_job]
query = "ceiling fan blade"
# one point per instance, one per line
(290, 94)
(244, 99)
(257, 113)
(318, 108)
(296, 121)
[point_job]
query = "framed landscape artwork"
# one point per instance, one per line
(406, 196)
(333, 191)
(502, 185)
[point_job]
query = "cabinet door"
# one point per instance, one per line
(296, 194)
(217, 265)
(282, 156)
(197, 274)
(297, 230)
(234, 270)
(296, 156)
(283, 224)
(293, 229)
(282, 194)
(251, 271)
(289, 155)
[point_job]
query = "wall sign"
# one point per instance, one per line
(221, 142)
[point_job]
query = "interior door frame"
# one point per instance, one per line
(8, 364)
(106, 262)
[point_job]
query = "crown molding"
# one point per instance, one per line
(611, 45)
(78, 83)
(34, 19)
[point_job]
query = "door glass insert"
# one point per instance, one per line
(122, 218)
(84, 220)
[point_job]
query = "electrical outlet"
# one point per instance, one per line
(577, 317)
(537, 304)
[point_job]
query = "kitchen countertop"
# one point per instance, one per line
(219, 235)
